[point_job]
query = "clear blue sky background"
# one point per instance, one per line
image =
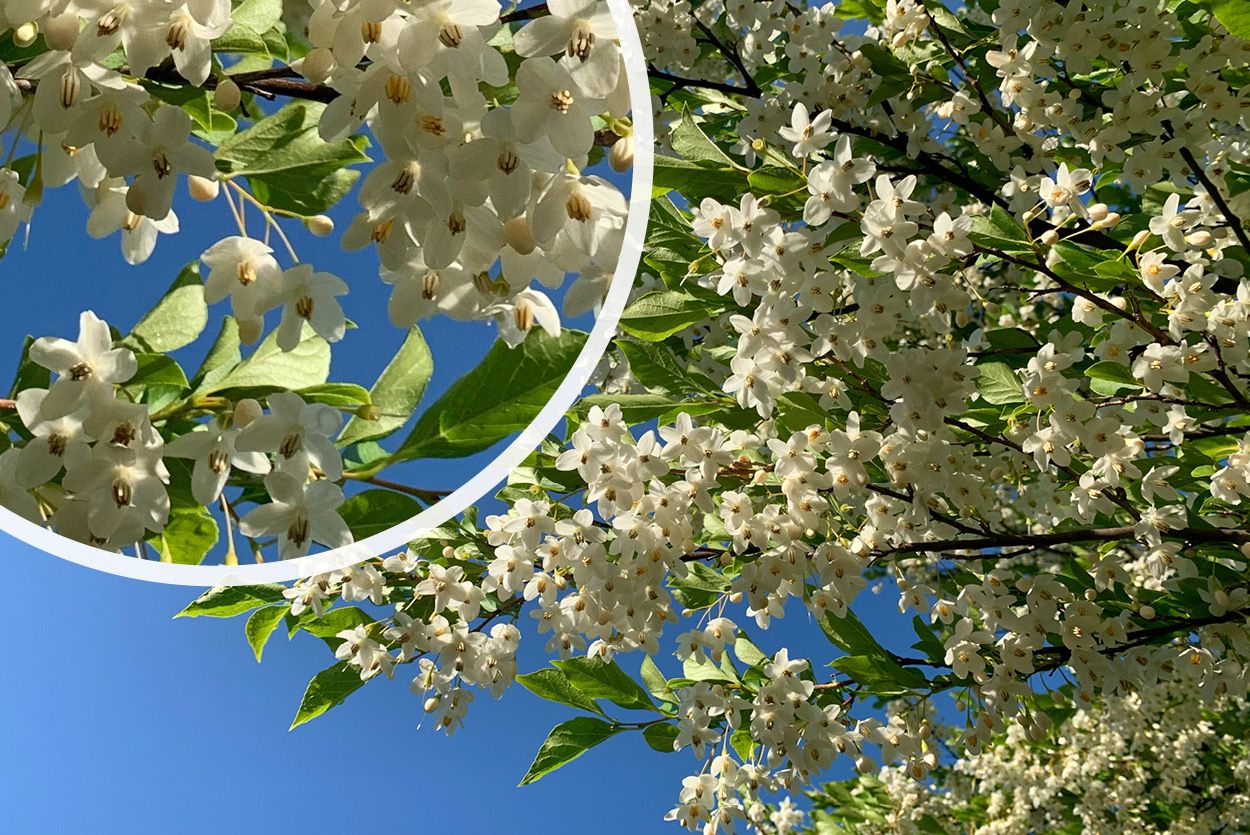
(121, 720)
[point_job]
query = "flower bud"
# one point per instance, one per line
(1147, 612)
(61, 31)
(1050, 237)
(317, 65)
(227, 96)
(1098, 211)
(1139, 239)
(431, 704)
(370, 412)
(1201, 238)
(621, 157)
(246, 411)
(518, 234)
(202, 188)
(1111, 220)
(24, 35)
(250, 329)
(320, 225)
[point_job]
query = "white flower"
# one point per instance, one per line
(299, 435)
(302, 512)
(110, 214)
(1173, 223)
(160, 151)
(809, 136)
(124, 490)
(214, 451)
(246, 271)
(90, 362)
(309, 296)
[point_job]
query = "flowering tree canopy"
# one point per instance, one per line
(483, 133)
(951, 305)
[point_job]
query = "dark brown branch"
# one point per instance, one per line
(529, 13)
(1108, 534)
(1239, 228)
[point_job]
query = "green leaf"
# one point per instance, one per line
(601, 679)
(554, 686)
(288, 165)
(661, 737)
(743, 744)
(222, 356)
(635, 408)
(695, 180)
(659, 369)
(228, 601)
(178, 318)
(566, 742)
(261, 625)
(1107, 377)
(375, 511)
(1000, 230)
(660, 314)
(327, 689)
(339, 395)
(188, 537)
(157, 370)
(330, 623)
(655, 681)
(881, 676)
(258, 15)
(849, 634)
(998, 384)
(496, 399)
(700, 588)
(748, 653)
(269, 367)
(1235, 15)
(691, 143)
(397, 391)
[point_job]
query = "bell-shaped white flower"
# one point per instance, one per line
(214, 451)
(309, 296)
(298, 433)
(244, 270)
(302, 512)
(92, 361)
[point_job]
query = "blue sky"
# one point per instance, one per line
(121, 720)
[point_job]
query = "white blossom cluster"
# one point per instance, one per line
(942, 363)
(94, 467)
(1111, 766)
(478, 210)
(485, 203)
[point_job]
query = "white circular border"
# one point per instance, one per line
(496, 471)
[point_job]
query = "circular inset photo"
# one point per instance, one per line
(291, 286)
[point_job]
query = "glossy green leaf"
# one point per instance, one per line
(660, 314)
(269, 367)
(397, 391)
(601, 679)
(178, 318)
(228, 601)
(566, 742)
(496, 399)
(261, 625)
(327, 689)
(554, 686)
